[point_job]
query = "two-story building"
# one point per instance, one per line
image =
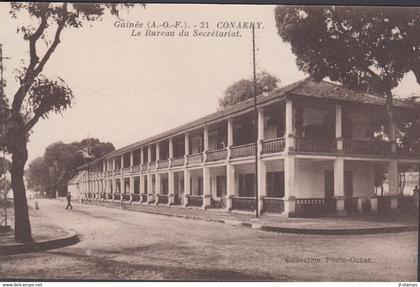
(318, 153)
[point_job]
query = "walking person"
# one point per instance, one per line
(416, 195)
(69, 201)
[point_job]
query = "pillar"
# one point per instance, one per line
(289, 184)
(131, 159)
(262, 184)
(131, 187)
(149, 153)
(289, 133)
(114, 188)
(206, 143)
(171, 148)
(150, 195)
(187, 144)
(187, 187)
(339, 127)
(230, 185)
(157, 186)
(122, 161)
(393, 181)
(142, 156)
(171, 188)
(229, 136)
(206, 188)
(339, 185)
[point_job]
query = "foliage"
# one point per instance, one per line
(37, 96)
(364, 48)
(243, 89)
(52, 172)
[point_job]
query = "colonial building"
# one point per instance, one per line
(318, 153)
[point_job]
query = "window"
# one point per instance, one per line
(275, 184)
(247, 185)
(200, 185)
(220, 185)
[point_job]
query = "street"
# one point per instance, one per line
(126, 245)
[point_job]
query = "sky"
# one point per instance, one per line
(130, 88)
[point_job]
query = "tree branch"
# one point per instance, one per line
(32, 122)
(35, 71)
(32, 42)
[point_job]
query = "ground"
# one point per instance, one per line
(127, 245)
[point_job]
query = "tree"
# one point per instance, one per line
(37, 175)
(37, 96)
(51, 173)
(243, 89)
(364, 48)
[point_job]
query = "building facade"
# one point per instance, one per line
(318, 153)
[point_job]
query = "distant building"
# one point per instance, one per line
(317, 154)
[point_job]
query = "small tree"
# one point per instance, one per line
(38, 96)
(243, 89)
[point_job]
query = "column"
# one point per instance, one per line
(339, 127)
(171, 186)
(114, 165)
(171, 151)
(339, 185)
(261, 178)
(187, 188)
(114, 188)
(262, 184)
(158, 178)
(206, 188)
(149, 153)
(141, 155)
(206, 143)
(122, 162)
(230, 185)
(131, 188)
(289, 185)
(122, 187)
(187, 144)
(150, 195)
(157, 152)
(289, 133)
(229, 136)
(131, 159)
(393, 181)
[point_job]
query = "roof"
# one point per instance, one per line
(327, 90)
(75, 179)
(306, 87)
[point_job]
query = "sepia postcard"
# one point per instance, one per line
(209, 142)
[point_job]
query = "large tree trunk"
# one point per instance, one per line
(19, 158)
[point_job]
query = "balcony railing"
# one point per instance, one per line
(273, 145)
(135, 169)
(373, 147)
(179, 161)
(163, 163)
(315, 206)
(303, 144)
(126, 197)
(136, 197)
(117, 171)
(152, 165)
(126, 170)
(243, 150)
(274, 205)
(117, 196)
(177, 199)
(195, 200)
(195, 158)
(163, 198)
(144, 167)
(215, 155)
(407, 150)
(143, 198)
(244, 203)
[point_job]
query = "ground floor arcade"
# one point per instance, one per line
(290, 185)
